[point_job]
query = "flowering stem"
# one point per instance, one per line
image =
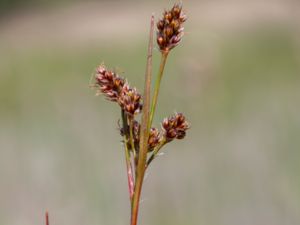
(127, 157)
(144, 136)
(164, 56)
(129, 171)
(155, 151)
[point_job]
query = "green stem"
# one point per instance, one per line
(164, 56)
(144, 135)
(129, 171)
(155, 151)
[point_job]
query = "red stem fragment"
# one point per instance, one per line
(47, 218)
(130, 181)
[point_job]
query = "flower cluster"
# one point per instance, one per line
(130, 100)
(170, 29)
(116, 89)
(142, 142)
(155, 137)
(175, 127)
(109, 83)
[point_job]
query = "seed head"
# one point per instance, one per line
(130, 100)
(136, 134)
(175, 127)
(154, 138)
(170, 29)
(109, 83)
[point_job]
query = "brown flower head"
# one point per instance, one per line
(170, 29)
(154, 138)
(175, 127)
(130, 100)
(109, 83)
(136, 134)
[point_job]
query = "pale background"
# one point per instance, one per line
(236, 76)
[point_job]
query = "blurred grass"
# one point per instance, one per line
(238, 165)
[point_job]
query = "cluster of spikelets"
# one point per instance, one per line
(116, 89)
(142, 142)
(170, 29)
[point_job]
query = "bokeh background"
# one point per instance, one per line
(236, 76)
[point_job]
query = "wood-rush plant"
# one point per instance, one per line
(142, 142)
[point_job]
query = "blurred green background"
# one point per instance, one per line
(236, 76)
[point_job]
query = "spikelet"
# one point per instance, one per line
(109, 83)
(154, 136)
(130, 100)
(175, 127)
(170, 29)
(154, 139)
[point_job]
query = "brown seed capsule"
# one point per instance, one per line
(168, 31)
(169, 28)
(168, 16)
(175, 127)
(136, 135)
(130, 100)
(160, 24)
(176, 12)
(154, 138)
(175, 24)
(153, 141)
(109, 83)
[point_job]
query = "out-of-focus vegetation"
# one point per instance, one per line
(60, 148)
(9, 6)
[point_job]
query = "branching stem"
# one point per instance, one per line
(144, 135)
(164, 56)
(130, 177)
(155, 151)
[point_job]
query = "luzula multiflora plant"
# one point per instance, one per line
(142, 142)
